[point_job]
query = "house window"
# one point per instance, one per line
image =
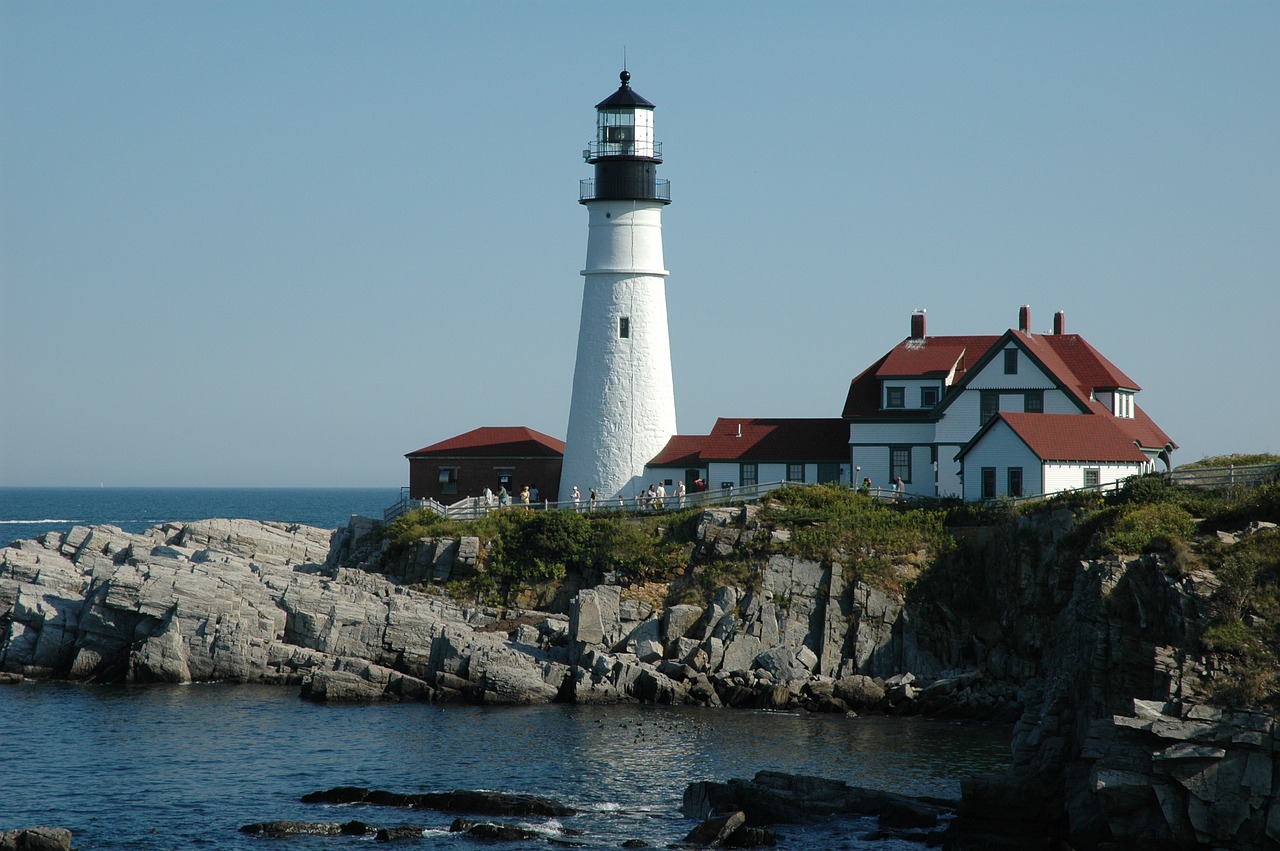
(795, 472)
(1033, 402)
(624, 327)
(988, 482)
(990, 404)
(928, 397)
(748, 474)
(899, 464)
(1015, 481)
(1091, 477)
(895, 397)
(448, 480)
(1010, 361)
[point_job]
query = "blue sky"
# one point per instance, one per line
(284, 243)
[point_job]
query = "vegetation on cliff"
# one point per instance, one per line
(912, 547)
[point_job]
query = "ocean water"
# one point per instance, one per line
(164, 767)
(29, 512)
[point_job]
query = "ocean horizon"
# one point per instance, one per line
(28, 512)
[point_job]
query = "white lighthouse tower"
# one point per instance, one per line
(623, 410)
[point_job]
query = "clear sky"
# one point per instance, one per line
(284, 243)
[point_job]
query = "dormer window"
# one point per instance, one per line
(895, 397)
(1010, 361)
(928, 397)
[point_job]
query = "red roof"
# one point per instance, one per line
(495, 442)
(933, 356)
(1068, 437)
(1077, 366)
(760, 439)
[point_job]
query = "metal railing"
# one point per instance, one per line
(661, 190)
(1189, 477)
(622, 149)
(475, 507)
(1250, 475)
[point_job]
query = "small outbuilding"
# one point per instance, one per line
(493, 457)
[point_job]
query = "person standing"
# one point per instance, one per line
(680, 493)
(577, 499)
(898, 489)
(524, 496)
(591, 502)
(503, 496)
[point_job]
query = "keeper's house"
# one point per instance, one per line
(1017, 414)
(743, 452)
(490, 456)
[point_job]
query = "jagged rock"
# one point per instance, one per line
(489, 830)
(458, 801)
(859, 691)
(280, 829)
(36, 839)
(716, 829)
(777, 798)
(398, 832)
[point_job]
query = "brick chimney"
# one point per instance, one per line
(917, 324)
(1024, 319)
(1059, 323)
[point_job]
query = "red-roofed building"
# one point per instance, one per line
(488, 457)
(1026, 454)
(745, 451)
(912, 412)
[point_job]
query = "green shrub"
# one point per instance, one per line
(1143, 490)
(540, 546)
(1138, 528)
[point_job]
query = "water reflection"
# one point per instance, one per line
(196, 762)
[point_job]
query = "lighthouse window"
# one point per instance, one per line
(624, 327)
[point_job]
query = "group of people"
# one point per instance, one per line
(526, 497)
(652, 499)
(576, 496)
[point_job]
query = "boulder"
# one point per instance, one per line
(36, 839)
(716, 829)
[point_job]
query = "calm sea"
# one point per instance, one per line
(164, 767)
(28, 512)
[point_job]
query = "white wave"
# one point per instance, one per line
(33, 522)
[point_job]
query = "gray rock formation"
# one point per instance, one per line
(36, 839)
(244, 601)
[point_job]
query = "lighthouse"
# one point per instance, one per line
(623, 409)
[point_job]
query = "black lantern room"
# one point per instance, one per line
(624, 152)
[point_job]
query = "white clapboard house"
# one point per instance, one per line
(1017, 414)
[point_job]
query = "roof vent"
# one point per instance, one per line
(739, 429)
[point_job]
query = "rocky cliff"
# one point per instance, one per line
(1116, 739)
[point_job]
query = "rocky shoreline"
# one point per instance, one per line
(1115, 744)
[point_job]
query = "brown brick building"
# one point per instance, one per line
(489, 456)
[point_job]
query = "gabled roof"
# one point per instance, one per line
(761, 439)
(1066, 437)
(1077, 367)
(495, 442)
